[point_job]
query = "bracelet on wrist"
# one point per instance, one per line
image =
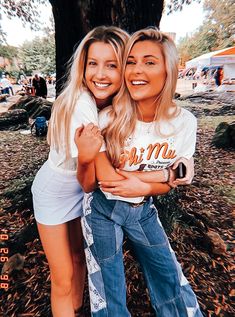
(166, 173)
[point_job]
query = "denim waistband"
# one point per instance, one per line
(113, 201)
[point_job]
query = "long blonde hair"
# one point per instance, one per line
(123, 114)
(59, 127)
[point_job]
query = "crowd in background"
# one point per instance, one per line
(212, 74)
(37, 84)
(34, 86)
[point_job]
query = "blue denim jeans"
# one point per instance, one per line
(104, 224)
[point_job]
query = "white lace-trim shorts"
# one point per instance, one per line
(57, 196)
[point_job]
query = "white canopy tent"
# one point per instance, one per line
(225, 58)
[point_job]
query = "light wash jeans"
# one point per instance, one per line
(104, 224)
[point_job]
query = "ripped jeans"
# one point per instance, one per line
(104, 224)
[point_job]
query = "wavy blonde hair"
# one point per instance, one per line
(123, 114)
(59, 127)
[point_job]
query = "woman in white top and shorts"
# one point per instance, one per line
(57, 195)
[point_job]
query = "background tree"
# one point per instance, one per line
(130, 15)
(8, 59)
(202, 41)
(2, 36)
(38, 54)
(8, 51)
(178, 5)
(217, 31)
(221, 19)
(74, 18)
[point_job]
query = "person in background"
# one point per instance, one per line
(40, 86)
(218, 76)
(5, 85)
(10, 85)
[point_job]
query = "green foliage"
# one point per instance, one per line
(26, 10)
(177, 5)
(2, 35)
(8, 51)
(220, 16)
(39, 54)
(217, 31)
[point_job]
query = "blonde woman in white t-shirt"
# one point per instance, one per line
(94, 78)
(143, 130)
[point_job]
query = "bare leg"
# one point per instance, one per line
(56, 244)
(79, 263)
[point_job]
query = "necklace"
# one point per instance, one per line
(144, 124)
(149, 126)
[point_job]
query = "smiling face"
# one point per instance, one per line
(102, 74)
(145, 72)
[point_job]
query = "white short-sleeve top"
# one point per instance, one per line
(148, 150)
(153, 146)
(85, 111)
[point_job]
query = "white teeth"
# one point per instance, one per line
(101, 85)
(138, 82)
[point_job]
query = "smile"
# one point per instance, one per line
(138, 82)
(101, 85)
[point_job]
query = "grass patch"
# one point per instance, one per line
(226, 191)
(212, 122)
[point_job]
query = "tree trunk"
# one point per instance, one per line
(74, 18)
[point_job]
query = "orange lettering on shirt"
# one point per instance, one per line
(155, 150)
(123, 158)
(158, 147)
(171, 154)
(133, 157)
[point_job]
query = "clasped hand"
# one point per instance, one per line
(89, 141)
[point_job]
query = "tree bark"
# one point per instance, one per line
(75, 18)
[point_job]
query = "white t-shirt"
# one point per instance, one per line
(5, 83)
(147, 150)
(85, 111)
